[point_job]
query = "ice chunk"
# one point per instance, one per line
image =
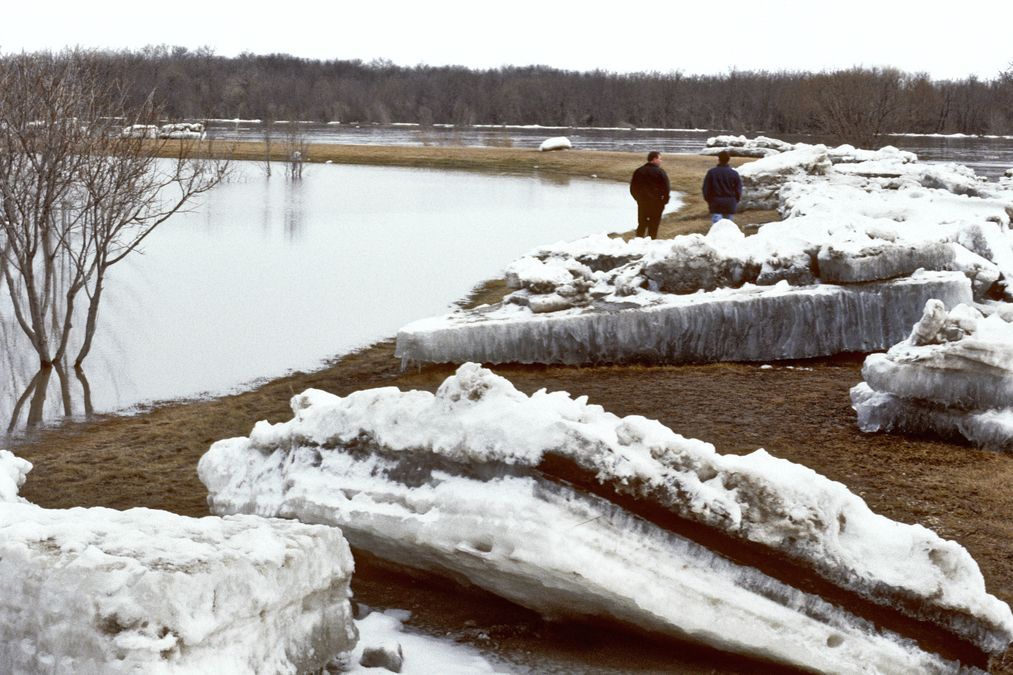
(555, 143)
(762, 180)
(880, 259)
(694, 263)
(974, 371)
(953, 376)
(13, 471)
(879, 411)
(89, 591)
(749, 324)
(554, 504)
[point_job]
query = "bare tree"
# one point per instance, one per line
(79, 193)
(856, 105)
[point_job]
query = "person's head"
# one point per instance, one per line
(654, 157)
(723, 157)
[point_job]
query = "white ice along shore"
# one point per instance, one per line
(866, 238)
(953, 376)
(569, 510)
(101, 592)
(180, 130)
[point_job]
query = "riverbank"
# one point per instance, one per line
(799, 411)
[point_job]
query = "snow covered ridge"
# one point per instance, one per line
(565, 508)
(850, 218)
(101, 592)
(953, 376)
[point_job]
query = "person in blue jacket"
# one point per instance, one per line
(650, 187)
(722, 189)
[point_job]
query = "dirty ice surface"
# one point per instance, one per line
(457, 483)
(866, 238)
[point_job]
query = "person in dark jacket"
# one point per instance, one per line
(650, 187)
(722, 189)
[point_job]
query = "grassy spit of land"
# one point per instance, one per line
(150, 459)
(798, 411)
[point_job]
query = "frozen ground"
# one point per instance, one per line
(467, 482)
(871, 235)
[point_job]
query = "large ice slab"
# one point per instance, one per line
(101, 592)
(569, 510)
(754, 323)
(953, 376)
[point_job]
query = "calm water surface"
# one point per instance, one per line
(272, 275)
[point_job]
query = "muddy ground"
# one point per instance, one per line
(796, 410)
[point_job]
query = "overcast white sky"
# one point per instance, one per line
(949, 40)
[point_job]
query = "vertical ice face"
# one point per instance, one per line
(564, 508)
(748, 324)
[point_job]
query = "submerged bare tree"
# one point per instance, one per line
(79, 194)
(854, 106)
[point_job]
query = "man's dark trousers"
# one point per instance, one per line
(649, 217)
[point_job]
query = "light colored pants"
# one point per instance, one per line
(715, 217)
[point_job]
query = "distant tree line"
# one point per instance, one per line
(856, 105)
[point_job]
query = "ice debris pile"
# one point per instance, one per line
(866, 238)
(740, 146)
(566, 509)
(179, 130)
(952, 376)
(89, 591)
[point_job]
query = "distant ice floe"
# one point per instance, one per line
(571, 511)
(953, 376)
(866, 238)
(555, 143)
(740, 146)
(99, 591)
(183, 130)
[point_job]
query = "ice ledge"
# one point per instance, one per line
(749, 324)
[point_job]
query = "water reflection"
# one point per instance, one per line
(271, 275)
